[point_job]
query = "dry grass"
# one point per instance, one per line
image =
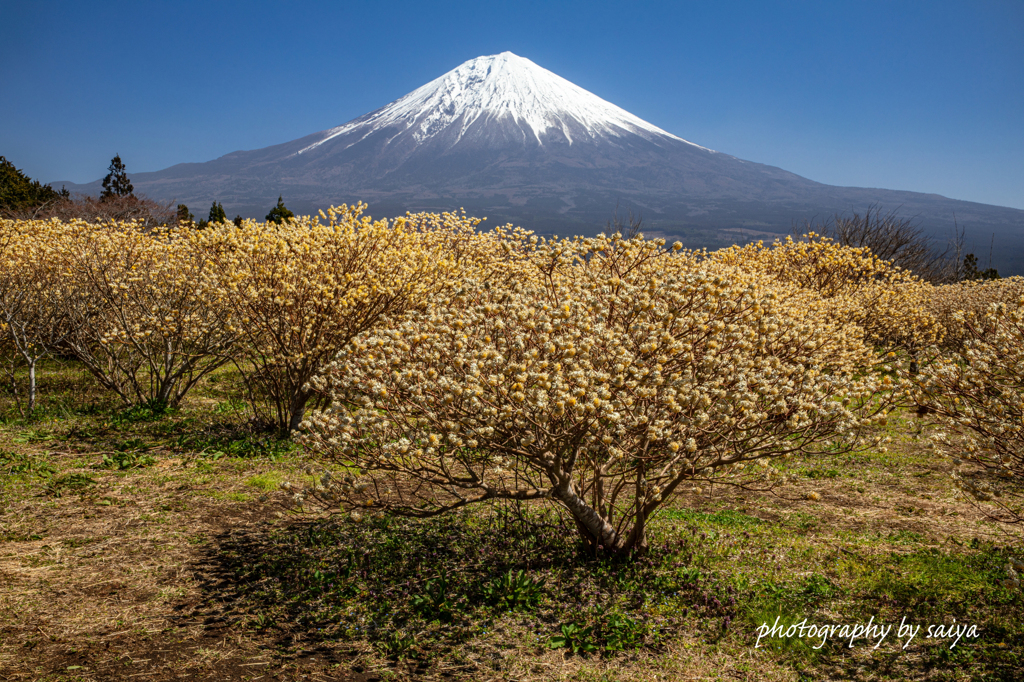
(125, 578)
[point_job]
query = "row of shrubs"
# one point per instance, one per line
(150, 312)
(452, 365)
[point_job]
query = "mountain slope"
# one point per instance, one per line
(508, 139)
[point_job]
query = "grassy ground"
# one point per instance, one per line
(144, 545)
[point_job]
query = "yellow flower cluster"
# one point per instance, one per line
(889, 304)
(607, 375)
(978, 392)
(137, 308)
(299, 292)
(961, 308)
(151, 311)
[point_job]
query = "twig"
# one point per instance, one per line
(847, 551)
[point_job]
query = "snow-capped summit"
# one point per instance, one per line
(503, 89)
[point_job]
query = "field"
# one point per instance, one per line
(153, 545)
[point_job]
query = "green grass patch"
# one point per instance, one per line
(29, 466)
(726, 518)
(905, 537)
(238, 443)
(822, 473)
(78, 483)
(123, 461)
(423, 589)
(266, 481)
(152, 410)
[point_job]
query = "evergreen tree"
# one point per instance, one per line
(237, 221)
(183, 215)
(217, 214)
(18, 192)
(971, 271)
(279, 213)
(116, 184)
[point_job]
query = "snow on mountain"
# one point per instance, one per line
(503, 87)
(507, 139)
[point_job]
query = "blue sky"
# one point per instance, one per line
(923, 96)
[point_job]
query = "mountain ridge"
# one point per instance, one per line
(503, 137)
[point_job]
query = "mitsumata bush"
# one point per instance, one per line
(426, 365)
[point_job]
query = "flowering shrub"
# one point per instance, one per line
(300, 291)
(595, 382)
(149, 312)
(145, 316)
(961, 308)
(134, 307)
(978, 392)
(890, 304)
(33, 298)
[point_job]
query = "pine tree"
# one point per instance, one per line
(217, 214)
(279, 213)
(237, 221)
(184, 216)
(971, 271)
(18, 192)
(116, 184)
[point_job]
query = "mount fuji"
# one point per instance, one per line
(504, 138)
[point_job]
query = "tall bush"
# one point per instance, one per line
(611, 377)
(961, 308)
(302, 289)
(977, 391)
(890, 304)
(34, 298)
(147, 318)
